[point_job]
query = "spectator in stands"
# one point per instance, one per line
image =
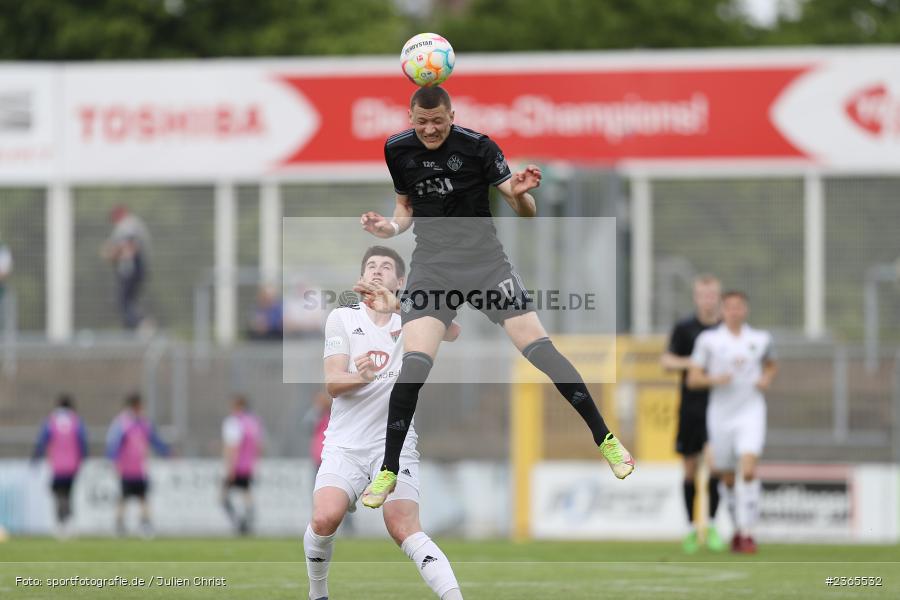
(127, 250)
(128, 443)
(63, 439)
(266, 322)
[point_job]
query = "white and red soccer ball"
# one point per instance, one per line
(427, 59)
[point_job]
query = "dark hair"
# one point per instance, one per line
(240, 400)
(430, 97)
(64, 400)
(133, 400)
(383, 251)
(734, 294)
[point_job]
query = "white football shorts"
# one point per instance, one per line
(734, 433)
(352, 470)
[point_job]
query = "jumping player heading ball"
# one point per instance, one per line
(442, 170)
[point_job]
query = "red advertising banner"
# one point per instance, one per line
(590, 116)
(245, 119)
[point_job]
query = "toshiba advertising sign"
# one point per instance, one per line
(180, 119)
(313, 118)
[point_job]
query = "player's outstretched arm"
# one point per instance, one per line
(382, 227)
(340, 381)
(515, 190)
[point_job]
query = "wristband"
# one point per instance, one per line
(396, 227)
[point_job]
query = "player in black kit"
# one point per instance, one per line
(692, 435)
(442, 170)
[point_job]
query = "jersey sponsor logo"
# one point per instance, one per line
(430, 164)
(334, 343)
(379, 359)
(454, 163)
(359, 331)
(437, 185)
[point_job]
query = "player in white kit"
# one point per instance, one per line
(363, 353)
(737, 363)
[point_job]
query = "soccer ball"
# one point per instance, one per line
(427, 59)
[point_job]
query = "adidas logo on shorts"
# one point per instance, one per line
(406, 472)
(359, 331)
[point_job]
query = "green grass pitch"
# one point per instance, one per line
(490, 570)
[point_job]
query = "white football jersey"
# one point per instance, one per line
(359, 418)
(719, 352)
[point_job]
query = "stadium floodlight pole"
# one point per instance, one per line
(875, 274)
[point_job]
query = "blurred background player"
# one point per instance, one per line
(317, 418)
(63, 439)
(354, 439)
(468, 258)
(128, 443)
(127, 250)
(692, 434)
(242, 439)
(6, 266)
(737, 363)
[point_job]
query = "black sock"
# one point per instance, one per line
(404, 396)
(544, 355)
(690, 491)
(713, 497)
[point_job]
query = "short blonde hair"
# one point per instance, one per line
(707, 279)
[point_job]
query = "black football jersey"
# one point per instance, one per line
(681, 343)
(451, 181)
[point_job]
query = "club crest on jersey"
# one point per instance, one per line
(395, 335)
(454, 163)
(379, 359)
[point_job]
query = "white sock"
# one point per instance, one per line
(433, 565)
(318, 550)
(748, 505)
(726, 497)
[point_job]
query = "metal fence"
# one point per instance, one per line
(823, 406)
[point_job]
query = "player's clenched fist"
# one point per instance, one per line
(365, 366)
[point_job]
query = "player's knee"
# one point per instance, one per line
(749, 473)
(727, 479)
(399, 523)
(400, 529)
(325, 522)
